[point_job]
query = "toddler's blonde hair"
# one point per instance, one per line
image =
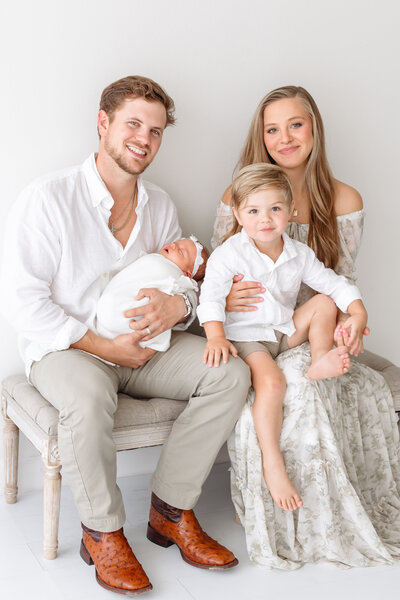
(255, 177)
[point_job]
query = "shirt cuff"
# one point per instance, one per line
(345, 298)
(210, 311)
(72, 331)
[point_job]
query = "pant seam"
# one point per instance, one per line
(80, 472)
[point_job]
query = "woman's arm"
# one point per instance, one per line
(347, 199)
(347, 202)
(227, 196)
(224, 219)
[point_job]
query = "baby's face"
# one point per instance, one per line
(182, 253)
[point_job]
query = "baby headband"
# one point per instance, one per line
(199, 259)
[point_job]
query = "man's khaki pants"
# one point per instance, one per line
(84, 390)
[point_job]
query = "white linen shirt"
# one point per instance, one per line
(281, 281)
(59, 254)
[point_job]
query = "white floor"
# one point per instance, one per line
(25, 575)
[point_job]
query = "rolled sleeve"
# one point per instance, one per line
(210, 311)
(32, 249)
(347, 296)
(71, 332)
(326, 281)
(216, 286)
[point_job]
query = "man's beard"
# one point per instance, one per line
(120, 160)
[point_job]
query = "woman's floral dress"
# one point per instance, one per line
(340, 442)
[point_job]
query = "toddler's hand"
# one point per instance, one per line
(341, 335)
(356, 329)
(217, 348)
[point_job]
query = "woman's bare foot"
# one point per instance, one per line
(281, 488)
(332, 364)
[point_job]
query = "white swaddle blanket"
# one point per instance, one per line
(148, 271)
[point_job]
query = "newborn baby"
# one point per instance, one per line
(172, 271)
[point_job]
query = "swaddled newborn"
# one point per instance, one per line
(174, 270)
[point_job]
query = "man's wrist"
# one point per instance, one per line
(94, 344)
(188, 306)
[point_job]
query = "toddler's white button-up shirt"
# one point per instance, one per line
(281, 281)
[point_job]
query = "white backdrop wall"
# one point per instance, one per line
(216, 59)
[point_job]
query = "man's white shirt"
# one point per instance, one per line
(281, 281)
(59, 254)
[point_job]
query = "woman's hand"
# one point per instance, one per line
(243, 295)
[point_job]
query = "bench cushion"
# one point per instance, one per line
(131, 411)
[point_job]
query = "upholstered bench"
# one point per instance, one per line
(138, 424)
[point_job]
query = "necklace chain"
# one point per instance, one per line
(131, 203)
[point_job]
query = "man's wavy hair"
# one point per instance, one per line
(135, 86)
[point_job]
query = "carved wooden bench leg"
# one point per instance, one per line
(11, 439)
(52, 496)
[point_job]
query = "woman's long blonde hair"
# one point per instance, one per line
(323, 232)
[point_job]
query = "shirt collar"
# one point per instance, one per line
(98, 191)
(245, 240)
(289, 248)
(97, 188)
(143, 196)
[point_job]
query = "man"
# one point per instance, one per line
(67, 235)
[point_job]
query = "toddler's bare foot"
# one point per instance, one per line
(281, 488)
(332, 364)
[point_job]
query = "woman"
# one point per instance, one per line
(339, 436)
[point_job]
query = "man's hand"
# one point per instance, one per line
(161, 313)
(123, 350)
(243, 295)
(217, 348)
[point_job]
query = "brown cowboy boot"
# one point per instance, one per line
(169, 525)
(117, 568)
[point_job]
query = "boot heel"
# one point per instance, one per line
(85, 554)
(157, 538)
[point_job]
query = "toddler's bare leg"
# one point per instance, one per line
(316, 321)
(269, 386)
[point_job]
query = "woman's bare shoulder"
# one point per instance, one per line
(227, 197)
(347, 199)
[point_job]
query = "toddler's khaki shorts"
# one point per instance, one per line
(271, 348)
